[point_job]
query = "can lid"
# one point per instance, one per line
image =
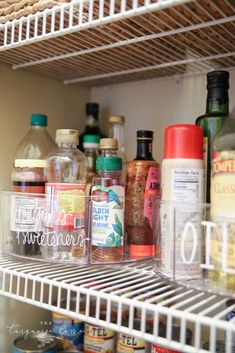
(108, 143)
(218, 79)
(118, 119)
(108, 163)
(67, 135)
(38, 120)
(183, 141)
(35, 344)
(144, 135)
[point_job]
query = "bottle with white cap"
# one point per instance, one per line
(28, 177)
(66, 172)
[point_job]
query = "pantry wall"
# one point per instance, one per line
(151, 104)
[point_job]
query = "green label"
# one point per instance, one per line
(108, 216)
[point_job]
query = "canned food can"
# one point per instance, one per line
(35, 344)
(98, 339)
(175, 336)
(131, 344)
(69, 330)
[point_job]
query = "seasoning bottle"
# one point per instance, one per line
(142, 183)
(91, 151)
(182, 184)
(28, 176)
(116, 131)
(217, 109)
(223, 205)
(65, 194)
(92, 123)
(107, 219)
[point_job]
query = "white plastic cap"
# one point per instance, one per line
(67, 135)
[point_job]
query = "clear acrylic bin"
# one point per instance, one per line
(59, 230)
(195, 246)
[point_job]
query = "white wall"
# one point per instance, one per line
(23, 93)
(154, 104)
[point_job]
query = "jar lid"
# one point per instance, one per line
(38, 120)
(118, 119)
(108, 143)
(67, 135)
(183, 141)
(108, 163)
(36, 344)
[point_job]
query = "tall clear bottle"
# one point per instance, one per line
(107, 217)
(66, 173)
(142, 182)
(92, 124)
(217, 110)
(28, 176)
(116, 131)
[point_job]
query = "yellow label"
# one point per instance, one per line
(130, 344)
(63, 317)
(216, 254)
(98, 332)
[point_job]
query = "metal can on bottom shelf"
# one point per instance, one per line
(41, 343)
(131, 344)
(98, 339)
(69, 330)
(175, 337)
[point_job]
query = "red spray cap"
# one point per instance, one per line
(183, 141)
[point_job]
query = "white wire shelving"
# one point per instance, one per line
(133, 288)
(98, 42)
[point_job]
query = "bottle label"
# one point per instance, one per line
(223, 184)
(187, 190)
(26, 213)
(130, 344)
(65, 205)
(205, 158)
(98, 339)
(108, 216)
(152, 188)
(70, 331)
(158, 349)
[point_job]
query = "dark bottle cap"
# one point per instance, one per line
(218, 79)
(144, 134)
(92, 109)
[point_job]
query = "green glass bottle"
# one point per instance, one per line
(217, 110)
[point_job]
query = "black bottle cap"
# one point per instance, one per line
(218, 79)
(92, 109)
(145, 134)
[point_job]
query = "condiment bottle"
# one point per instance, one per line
(28, 176)
(65, 190)
(223, 207)
(91, 151)
(182, 182)
(107, 219)
(116, 131)
(142, 183)
(217, 109)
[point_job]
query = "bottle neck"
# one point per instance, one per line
(217, 101)
(108, 152)
(92, 121)
(144, 150)
(117, 132)
(66, 144)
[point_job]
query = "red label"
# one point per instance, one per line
(152, 189)
(158, 349)
(66, 205)
(30, 187)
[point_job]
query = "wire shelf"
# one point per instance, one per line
(133, 287)
(98, 42)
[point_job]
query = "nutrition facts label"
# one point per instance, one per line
(187, 185)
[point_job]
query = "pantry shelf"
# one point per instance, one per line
(98, 42)
(132, 287)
